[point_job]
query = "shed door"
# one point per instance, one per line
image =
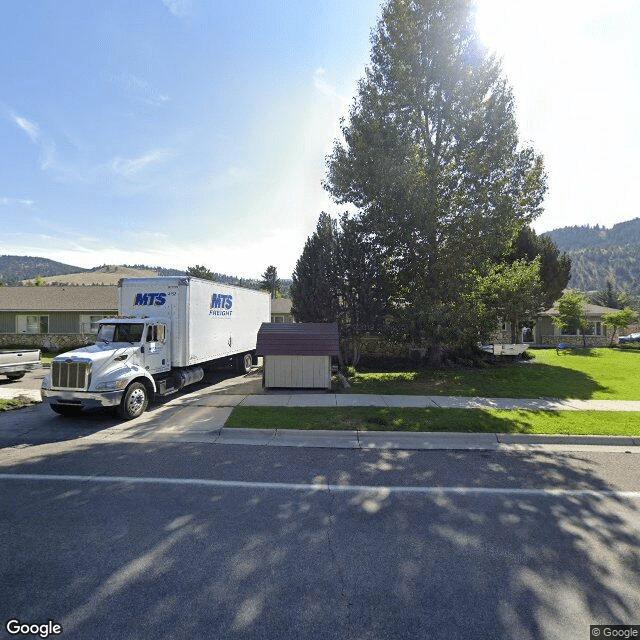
(298, 372)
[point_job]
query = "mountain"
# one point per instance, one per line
(599, 254)
(14, 269)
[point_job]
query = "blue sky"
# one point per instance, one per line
(176, 132)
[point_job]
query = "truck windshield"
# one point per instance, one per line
(120, 332)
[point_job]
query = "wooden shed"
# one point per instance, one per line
(297, 356)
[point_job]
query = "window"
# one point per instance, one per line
(156, 333)
(120, 332)
(89, 324)
(32, 324)
(594, 329)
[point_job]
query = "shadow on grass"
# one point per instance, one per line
(522, 380)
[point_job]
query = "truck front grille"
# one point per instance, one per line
(69, 375)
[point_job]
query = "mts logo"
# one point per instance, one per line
(150, 299)
(221, 301)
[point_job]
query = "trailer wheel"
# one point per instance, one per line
(134, 402)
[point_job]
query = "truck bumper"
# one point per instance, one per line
(19, 368)
(82, 399)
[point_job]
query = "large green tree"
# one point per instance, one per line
(364, 286)
(314, 287)
(431, 161)
(554, 267)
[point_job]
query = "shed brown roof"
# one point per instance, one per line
(302, 339)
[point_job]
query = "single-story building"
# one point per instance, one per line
(54, 317)
(281, 310)
(597, 334)
(545, 332)
(297, 355)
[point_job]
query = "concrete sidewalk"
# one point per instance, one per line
(275, 399)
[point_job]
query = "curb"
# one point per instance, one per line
(393, 440)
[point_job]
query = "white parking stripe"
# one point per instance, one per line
(338, 488)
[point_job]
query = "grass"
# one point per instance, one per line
(599, 374)
(429, 420)
(15, 403)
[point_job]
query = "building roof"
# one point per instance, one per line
(92, 299)
(281, 305)
(302, 339)
(589, 309)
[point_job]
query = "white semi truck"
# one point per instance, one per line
(169, 329)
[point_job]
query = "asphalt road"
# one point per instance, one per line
(116, 539)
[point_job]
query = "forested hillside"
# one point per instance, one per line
(13, 269)
(599, 255)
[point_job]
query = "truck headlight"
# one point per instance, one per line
(112, 385)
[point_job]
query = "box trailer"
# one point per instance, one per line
(169, 329)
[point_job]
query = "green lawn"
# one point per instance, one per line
(457, 420)
(601, 374)
(15, 403)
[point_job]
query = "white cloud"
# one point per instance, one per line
(30, 128)
(320, 82)
(138, 88)
(129, 167)
(47, 148)
(179, 8)
(8, 202)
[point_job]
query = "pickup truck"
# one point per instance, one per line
(14, 363)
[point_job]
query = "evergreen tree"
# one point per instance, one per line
(610, 297)
(314, 286)
(430, 158)
(364, 286)
(554, 267)
(200, 272)
(270, 281)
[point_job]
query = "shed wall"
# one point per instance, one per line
(297, 372)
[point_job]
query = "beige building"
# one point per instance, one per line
(54, 317)
(597, 335)
(281, 310)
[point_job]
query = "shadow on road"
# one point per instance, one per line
(185, 560)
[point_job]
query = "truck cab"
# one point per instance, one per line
(128, 352)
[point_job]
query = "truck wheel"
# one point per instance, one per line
(134, 402)
(66, 410)
(242, 362)
(15, 376)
